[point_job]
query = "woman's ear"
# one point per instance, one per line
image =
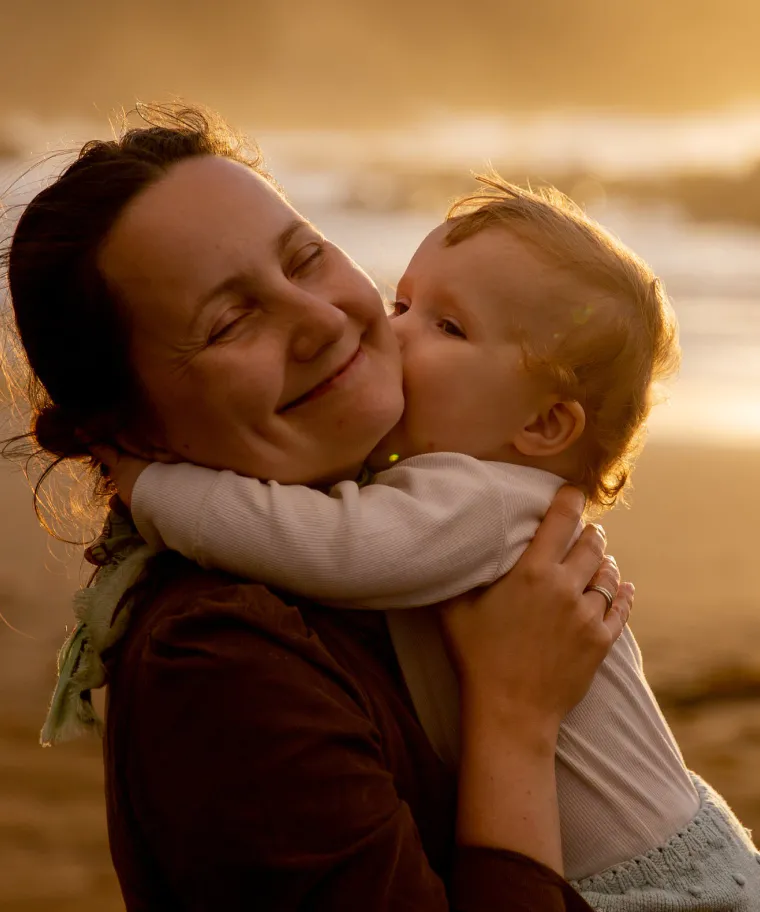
(138, 447)
(553, 430)
(139, 443)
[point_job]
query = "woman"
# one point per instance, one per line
(261, 750)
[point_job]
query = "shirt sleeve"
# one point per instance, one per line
(426, 530)
(258, 778)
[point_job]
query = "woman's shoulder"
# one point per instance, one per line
(183, 610)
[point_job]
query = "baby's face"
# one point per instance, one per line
(466, 388)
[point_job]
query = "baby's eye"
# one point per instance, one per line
(451, 329)
(398, 308)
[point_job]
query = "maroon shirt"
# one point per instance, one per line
(262, 753)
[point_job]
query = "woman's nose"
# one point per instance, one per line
(317, 325)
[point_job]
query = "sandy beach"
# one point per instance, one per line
(688, 541)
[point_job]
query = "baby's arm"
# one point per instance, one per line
(432, 527)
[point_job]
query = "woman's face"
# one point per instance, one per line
(262, 347)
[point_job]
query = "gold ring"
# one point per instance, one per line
(605, 592)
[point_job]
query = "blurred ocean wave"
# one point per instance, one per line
(609, 143)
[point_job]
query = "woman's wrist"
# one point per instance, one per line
(507, 784)
(493, 719)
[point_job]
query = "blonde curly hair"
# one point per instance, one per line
(619, 334)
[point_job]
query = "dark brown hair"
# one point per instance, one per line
(72, 332)
(619, 335)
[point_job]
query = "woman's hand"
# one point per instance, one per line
(531, 643)
(122, 468)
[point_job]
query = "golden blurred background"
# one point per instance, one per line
(372, 116)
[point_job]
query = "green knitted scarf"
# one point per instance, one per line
(119, 555)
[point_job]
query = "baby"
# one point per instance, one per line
(531, 342)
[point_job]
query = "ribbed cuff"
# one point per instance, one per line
(167, 505)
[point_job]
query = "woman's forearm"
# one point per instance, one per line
(507, 784)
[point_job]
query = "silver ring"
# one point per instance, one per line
(605, 592)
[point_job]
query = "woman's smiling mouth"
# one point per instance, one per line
(329, 383)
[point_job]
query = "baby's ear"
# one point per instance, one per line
(553, 430)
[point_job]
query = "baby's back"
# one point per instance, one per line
(622, 784)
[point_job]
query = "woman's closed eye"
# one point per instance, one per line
(225, 327)
(309, 256)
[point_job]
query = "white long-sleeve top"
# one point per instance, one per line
(427, 529)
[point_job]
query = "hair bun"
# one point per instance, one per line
(57, 433)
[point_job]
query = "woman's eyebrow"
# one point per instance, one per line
(286, 235)
(236, 281)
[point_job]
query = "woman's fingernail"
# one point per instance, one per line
(600, 530)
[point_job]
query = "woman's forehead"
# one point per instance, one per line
(185, 232)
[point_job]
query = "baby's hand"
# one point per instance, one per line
(122, 469)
